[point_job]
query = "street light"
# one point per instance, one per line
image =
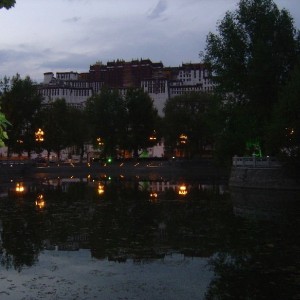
(153, 196)
(183, 138)
(39, 135)
(182, 190)
(153, 136)
(100, 141)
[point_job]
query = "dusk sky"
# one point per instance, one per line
(39, 36)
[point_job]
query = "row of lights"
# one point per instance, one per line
(153, 195)
(39, 137)
(40, 202)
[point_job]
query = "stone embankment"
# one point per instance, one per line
(263, 173)
(203, 170)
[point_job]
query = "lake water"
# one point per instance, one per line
(121, 238)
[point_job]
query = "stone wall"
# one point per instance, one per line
(266, 178)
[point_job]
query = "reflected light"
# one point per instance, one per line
(40, 202)
(182, 190)
(20, 188)
(100, 189)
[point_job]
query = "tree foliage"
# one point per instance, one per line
(250, 57)
(142, 118)
(7, 4)
(3, 126)
(187, 115)
(284, 129)
(106, 116)
(121, 122)
(3, 121)
(54, 118)
(77, 128)
(21, 103)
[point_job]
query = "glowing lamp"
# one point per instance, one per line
(20, 188)
(39, 135)
(182, 190)
(100, 189)
(40, 202)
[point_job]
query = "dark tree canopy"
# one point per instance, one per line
(21, 103)
(254, 51)
(142, 117)
(186, 115)
(284, 128)
(7, 3)
(121, 123)
(251, 55)
(3, 122)
(106, 118)
(54, 118)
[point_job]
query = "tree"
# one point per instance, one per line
(4, 86)
(77, 129)
(185, 123)
(3, 126)
(106, 115)
(54, 118)
(141, 119)
(284, 128)
(7, 4)
(250, 57)
(3, 121)
(21, 103)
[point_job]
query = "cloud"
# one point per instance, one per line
(160, 7)
(72, 20)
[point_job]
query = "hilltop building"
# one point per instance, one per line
(67, 85)
(159, 82)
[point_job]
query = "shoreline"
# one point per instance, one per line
(262, 178)
(203, 170)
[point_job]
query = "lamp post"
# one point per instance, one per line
(182, 190)
(183, 139)
(182, 143)
(39, 135)
(152, 137)
(39, 138)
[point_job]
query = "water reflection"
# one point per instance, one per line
(252, 256)
(134, 219)
(266, 204)
(40, 201)
(260, 258)
(19, 188)
(100, 188)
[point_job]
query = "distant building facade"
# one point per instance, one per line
(66, 85)
(161, 83)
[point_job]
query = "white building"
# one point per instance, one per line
(158, 90)
(176, 82)
(67, 85)
(167, 83)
